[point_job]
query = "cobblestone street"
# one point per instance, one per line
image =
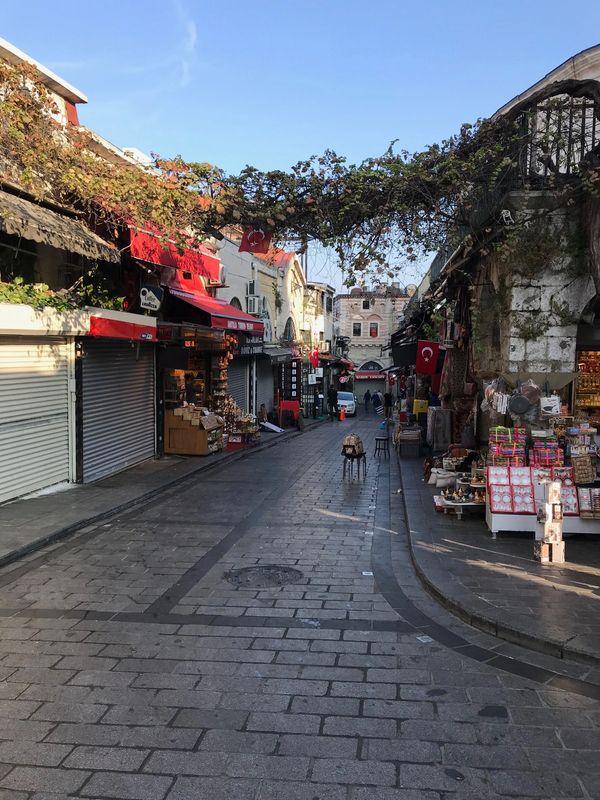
(136, 663)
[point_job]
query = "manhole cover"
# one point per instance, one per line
(263, 577)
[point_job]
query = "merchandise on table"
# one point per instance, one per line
(587, 386)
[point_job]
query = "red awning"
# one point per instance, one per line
(147, 246)
(120, 329)
(222, 315)
(347, 363)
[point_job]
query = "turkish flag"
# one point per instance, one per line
(255, 240)
(427, 356)
(313, 357)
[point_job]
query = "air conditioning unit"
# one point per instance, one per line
(250, 288)
(253, 304)
(221, 280)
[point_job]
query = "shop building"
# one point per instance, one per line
(76, 395)
(205, 343)
(518, 327)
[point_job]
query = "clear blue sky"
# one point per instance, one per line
(269, 82)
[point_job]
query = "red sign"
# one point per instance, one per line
(118, 329)
(147, 246)
(427, 356)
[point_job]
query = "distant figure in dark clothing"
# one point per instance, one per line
(377, 401)
(332, 403)
(316, 404)
(388, 402)
(367, 399)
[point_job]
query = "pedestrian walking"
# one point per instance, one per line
(377, 401)
(332, 403)
(367, 400)
(316, 404)
(388, 402)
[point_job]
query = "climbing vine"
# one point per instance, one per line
(376, 214)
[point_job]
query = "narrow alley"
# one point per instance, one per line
(160, 655)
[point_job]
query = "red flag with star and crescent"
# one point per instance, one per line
(427, 356)
(255, 240)
(313, 357)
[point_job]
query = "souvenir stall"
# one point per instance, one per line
(543, 446)
(200, 416)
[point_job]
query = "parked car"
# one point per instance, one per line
(348, 401)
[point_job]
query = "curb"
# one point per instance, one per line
(69, 530)
(487, 624)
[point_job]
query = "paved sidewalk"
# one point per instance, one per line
(497, 586)
(30, 523)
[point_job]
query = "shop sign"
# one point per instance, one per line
(365, 376)
(319, 372)
(290, 378)
(151, 297)
(252, 348)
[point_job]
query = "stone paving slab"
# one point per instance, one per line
(33, 522)
(495, 584)
(184, 704)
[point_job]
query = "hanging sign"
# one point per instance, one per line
(151, 297)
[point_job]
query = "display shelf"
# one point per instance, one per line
(525, 523)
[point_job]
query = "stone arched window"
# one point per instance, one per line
(289, 332)
(370, 366)
(235, 303)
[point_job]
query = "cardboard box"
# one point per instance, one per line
(552, 533)
(557, 553)
(541, 552)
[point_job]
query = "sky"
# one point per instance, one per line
(271, 82)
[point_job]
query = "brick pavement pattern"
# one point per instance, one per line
(182, 685)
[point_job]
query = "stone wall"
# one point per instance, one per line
(527, 309)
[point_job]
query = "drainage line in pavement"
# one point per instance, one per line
(215, 620)
(387, 583)
(167, 601)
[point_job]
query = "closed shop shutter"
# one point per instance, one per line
(264, 382)
(118, 409)
(360, 387)
(237, 377)
(34, 421)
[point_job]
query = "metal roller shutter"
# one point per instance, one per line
(118, 408)
(34, 417)
(360, 387)
(264, 383)
(237, 377)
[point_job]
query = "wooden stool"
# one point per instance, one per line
(409, 441)
(382, 445)
(360, 459)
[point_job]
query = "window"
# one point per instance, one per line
(235, 303)
(329, 304)
(366, 305)
(370, 366)
(373, 329)
(289, 333)
(356, 329)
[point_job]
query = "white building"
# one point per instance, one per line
(272, 288)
